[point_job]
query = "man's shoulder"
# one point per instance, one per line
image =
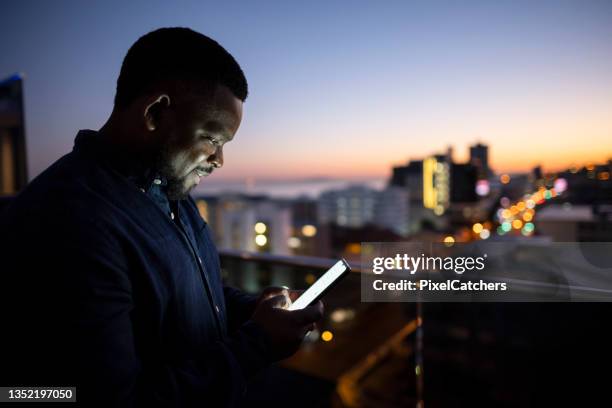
(71, 189)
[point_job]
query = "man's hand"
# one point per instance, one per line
(290, 295)
(286, 329)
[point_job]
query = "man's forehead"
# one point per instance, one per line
(217, 108)
(221, 98)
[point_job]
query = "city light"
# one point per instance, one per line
(353, 248)
(260, 228)
(342, 315)
(294, 242)
(429, 192)
(485, 233)
(477, 228)
(310, 278)
(506, 226)
(482, 187)
(309, 230)
(439, 210)
(449, 241)
(517, 224)
(560, 185)
(505, 179)
(261, 240)
(327, 336)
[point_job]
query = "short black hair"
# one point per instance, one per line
(176, 54)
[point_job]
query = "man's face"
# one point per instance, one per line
(193, 146)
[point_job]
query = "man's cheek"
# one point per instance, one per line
(198, 156)
(181, 166)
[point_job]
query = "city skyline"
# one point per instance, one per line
(346, 92)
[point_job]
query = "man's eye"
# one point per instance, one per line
(212, 140)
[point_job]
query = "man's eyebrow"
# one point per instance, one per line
(216, 126)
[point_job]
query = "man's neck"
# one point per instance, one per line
(126, 147)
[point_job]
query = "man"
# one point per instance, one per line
(110, 279)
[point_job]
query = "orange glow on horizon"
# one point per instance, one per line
(348, 170)
(351, 161)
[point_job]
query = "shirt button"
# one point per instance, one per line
(142, 189)
(217, 308)
(172, 215)
(157, 181)
(199, 259)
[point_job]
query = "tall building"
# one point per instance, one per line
(463, 183)
(248, 223)
(358, 206)
(350, 207)
(392, 210)
(427, 183)
(479, 158)
(410, 177)
(13, 168)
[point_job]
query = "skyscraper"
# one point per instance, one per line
(479, 158)
(463, 183)
(410, 177)
(13, 169)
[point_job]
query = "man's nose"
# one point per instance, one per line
(216, 159)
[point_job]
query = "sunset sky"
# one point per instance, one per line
(343, 89)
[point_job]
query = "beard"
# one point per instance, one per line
(177, 187)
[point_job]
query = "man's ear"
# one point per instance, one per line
(152, 112)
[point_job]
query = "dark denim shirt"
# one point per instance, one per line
(106, 291)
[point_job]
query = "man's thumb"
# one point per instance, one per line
(279, 301)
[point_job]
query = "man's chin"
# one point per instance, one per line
(179, 191)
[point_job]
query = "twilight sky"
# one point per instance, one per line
(342, 89)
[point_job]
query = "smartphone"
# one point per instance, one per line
(322, 285)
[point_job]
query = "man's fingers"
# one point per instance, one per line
(306, 329)
(277, 301)
(274, 291)
(309, 314)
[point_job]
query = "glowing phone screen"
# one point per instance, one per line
(319, 286)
